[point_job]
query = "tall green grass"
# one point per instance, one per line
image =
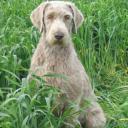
(102, 46)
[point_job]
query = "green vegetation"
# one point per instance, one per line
(102, 45)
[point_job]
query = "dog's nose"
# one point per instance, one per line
(59, 35)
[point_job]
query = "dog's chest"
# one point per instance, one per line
(58, 64)
(58, 60)
(64, 62)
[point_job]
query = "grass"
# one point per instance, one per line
(102, 45)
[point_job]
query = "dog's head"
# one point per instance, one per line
(57, 20)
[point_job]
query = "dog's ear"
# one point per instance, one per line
(78, 17)
(37, 16)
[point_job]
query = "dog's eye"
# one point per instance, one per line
(67, 17)
(50, 17)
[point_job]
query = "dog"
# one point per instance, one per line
(55, 53)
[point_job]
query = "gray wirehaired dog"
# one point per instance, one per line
(55, 53)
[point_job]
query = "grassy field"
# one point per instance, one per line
(102, 45)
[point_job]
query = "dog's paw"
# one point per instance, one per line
(95, 119)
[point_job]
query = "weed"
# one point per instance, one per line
(102, 46)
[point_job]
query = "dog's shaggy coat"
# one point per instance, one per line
(55, 53)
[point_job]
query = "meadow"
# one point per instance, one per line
(101, 44)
